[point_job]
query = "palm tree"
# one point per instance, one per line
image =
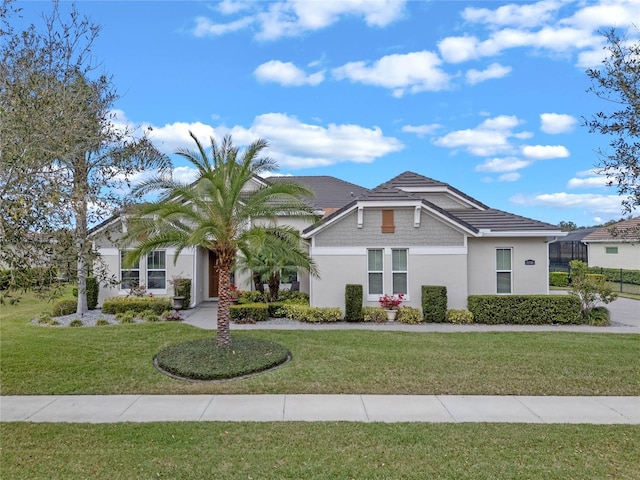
(216, 211)
(271, 250)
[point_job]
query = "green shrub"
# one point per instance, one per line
(149, 316)
(459, 316)
(93, 289)
(304, 313)
(558, 279)
(256, 311)
(525, 309)
(182, 288)
(616, 275)
(301, 298)
(248, 296)
(64, 307)
(353, 296)
(115, 305)
(409, 315)
(43, 318)
(102, 321)
(76, 323)
(125, 317)
(374, 314)
(5, 279)
(599, 317)
(434, 303)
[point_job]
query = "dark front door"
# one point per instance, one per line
(213, 275)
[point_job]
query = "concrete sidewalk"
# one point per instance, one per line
(308, 408)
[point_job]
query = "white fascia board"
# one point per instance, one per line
(449, 221)
(324, 225)
(462, 250)
(531, 233)
(333, 251)
(443, 189)
(389, 203)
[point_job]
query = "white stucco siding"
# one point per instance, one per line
(182, 268)
(430, 232)
(525, 279)
(425, 267)
(627, 256)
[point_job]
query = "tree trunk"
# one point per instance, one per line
(274, 286)
(80, 212)
(257, 282)
(223, 338)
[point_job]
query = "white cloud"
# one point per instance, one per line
(458, 49)
(508, 164)
(509, 177)
(588, 179)
(545, 152)
(412, 72)
(286, 74)
(206, 28)
(607, 13)
(557, 123)
(525, 16)
(173, 136)
(491, 137)
(292, 143)
(422, 130)
(495, 70)
(288, 18)
(592, 203)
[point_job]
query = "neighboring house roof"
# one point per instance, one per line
(624, 231)
(330, 193)
(578, 235)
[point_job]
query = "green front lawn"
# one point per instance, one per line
(118, 359)
(319, 451)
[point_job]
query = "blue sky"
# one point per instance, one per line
(486, 96)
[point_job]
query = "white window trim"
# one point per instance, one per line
(406, 272)
(147, 270)
(122, 269)
(374, 297)
(510, 271)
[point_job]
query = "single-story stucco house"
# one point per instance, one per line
(408, 232)
(615, 246)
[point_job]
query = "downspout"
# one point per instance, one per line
(194, 297)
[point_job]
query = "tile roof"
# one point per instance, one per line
(499, 221)
(410, 180)
(624, 231)
(330, 192)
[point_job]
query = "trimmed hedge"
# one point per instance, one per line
(353, 295)
(374, 314)
(614, 274)
(558, 279)
(409, 315)
(256, 311)
(459, 316)
(434, 303)
(525, 309)
(304, 313)
(117, 305)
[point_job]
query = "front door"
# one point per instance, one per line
(213, 275)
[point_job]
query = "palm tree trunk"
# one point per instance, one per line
(223, 338)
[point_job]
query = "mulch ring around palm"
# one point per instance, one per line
(203, 360)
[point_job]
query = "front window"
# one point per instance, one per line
(128, 277)
(375, 271)
(399, 271)
(611, 250)
(156, 270)
(503, 270)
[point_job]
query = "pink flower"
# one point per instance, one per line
(391, 302)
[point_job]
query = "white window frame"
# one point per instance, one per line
(509, 271)
(374, 296)
(122, 269)
(401, 272)
(149, 270)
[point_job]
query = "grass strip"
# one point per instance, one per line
(319, 450)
